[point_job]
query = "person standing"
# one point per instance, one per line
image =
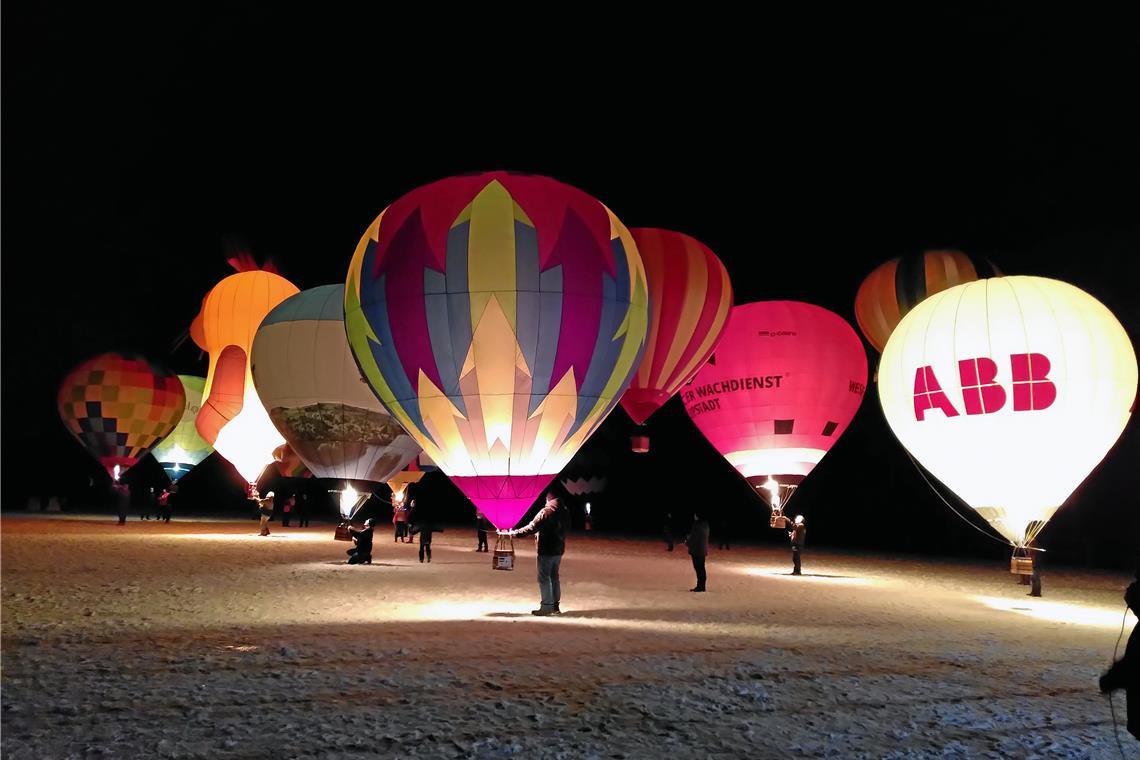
(150, 504)
(400, 521)
(698, 542)
(303, 511)
(797, 535)
(122, 500)
(421, 523)
(549, 527)
(265, 510)
(482, 524)
(287, 511)
(1125, 672)
(667, 529)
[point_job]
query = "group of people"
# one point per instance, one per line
(266, 506)
(151, 504)
(408, 521)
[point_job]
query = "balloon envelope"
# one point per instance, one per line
(307, 379)
(783, 385)
(1009, 390)
(289, 464)
(232, 417)
(499, 318)
(895, 287)
(119, 406)
(180, 451)
(690, 296)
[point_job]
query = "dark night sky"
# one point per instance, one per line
(803, 150)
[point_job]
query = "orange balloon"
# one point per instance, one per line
(897, 286)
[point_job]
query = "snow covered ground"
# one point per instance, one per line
(201, 639)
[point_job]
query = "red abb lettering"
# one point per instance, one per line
(1031, 389)
(928, 394)
(981, 393)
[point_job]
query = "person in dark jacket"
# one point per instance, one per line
(149, 504)
(303, 511)
(549, 527)
(421, 523)
(122, 500)
(1125, 672)
(797, 535)
(698, 541)
(361, 554)
(482, 525)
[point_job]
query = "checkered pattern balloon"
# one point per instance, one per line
(119, 406)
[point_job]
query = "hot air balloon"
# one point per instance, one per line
(781, 388)
(119, 406)
(1009, 390)
(897, 286)
(690, 296)
(183, 449)
(232, 417)
(289, 464)
(498, 317)
(307, 379)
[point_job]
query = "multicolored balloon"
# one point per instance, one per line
(1010, 391)
(289, 464)
(499, 318)
(232, 417)
(119, 406)
(897, 286)
(780, 390)
(307, 379)
(183, 449)
(690, 297)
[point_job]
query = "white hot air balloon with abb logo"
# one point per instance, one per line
(1010, 390)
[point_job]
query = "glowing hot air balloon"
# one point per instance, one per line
(307, 379)
(499, 318)
(119, 406)
(690, 296)
(183, 449)
(1009, 390)
(232, 417)
(781, 388)
(897, 286)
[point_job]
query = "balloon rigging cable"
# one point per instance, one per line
(947, 503)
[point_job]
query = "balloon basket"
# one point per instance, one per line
(342, 532)
(778, 520)
(503, 557)
(1021, 565)
(639, 444)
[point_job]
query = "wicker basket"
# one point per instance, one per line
(503, 557)
(1021, 565)
(342, 532)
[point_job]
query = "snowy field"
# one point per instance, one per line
(201, 639)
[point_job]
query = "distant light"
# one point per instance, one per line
(118, 471)
(587, 507)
